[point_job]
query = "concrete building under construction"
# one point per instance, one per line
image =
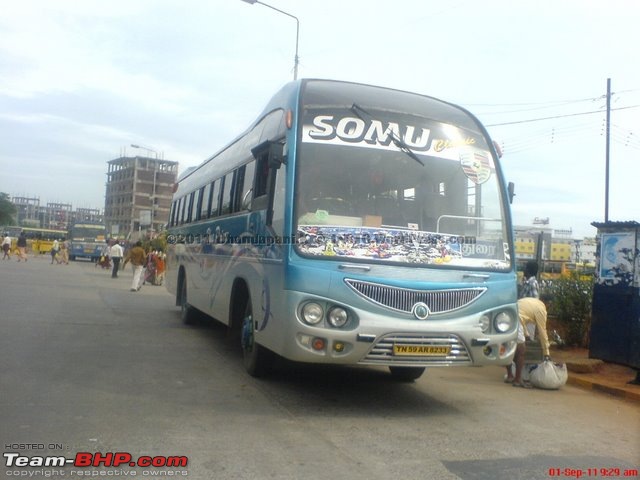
(138, 195)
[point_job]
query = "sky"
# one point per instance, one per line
(83, 80)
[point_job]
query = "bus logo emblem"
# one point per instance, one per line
(420, 311)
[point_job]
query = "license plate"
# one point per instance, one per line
(88, 250)
(421, 350)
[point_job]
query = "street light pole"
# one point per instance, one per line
(142, 147)
(296, 58)
(608, 136)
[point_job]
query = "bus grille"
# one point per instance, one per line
(382, 351)
(403, 300)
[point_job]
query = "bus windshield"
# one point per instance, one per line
(88, 233)
(391, 187)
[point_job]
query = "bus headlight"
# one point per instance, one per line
(485, 323)
(338, 317)
(312, 313)
(503, 322)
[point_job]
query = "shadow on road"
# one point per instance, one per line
(334, 390)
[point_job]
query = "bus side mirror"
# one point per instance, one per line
(276, 155)
(511, 189)
(275, 151)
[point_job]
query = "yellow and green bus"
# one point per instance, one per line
(39, 240)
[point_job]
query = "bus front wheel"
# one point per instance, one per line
(256, 358)
(188, 314)
(406, 374)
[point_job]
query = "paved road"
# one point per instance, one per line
(88, 366)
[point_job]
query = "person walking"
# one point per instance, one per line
(64, 252)
(22, 247)
(6, 247)
(138, 259)
(54, 251)
(530, 287)
(115, 253)
(104, 256)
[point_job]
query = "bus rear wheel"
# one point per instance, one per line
(257, 359)
(406, 374)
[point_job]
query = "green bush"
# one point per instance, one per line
(159, 243)
(570, 302)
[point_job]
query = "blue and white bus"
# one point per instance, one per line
(351, 224)
(87, 240)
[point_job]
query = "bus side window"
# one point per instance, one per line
(205, 201)
(183, 208)
(227, 188)
(197, 214)
(261, 181)
(172, 214)
(176, 211)
(215, 197)
(190, 210)
(247, 185)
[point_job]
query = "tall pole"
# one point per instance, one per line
(296, 58)
(608, 132)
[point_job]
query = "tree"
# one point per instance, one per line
(7, 210)
(571, 297)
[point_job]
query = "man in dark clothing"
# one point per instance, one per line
(138, 258)
(22, 247)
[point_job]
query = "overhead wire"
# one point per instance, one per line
(566, 129)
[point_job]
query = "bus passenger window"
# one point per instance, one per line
(191, 209)
(172, 215)
(215, 197)
(197, 205)
(205, 201)
(238, 180)
(182, 209)
(247, 185)
(227, 186)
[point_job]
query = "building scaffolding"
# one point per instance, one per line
(138, 195)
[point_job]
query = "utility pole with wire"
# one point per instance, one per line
(607, 142)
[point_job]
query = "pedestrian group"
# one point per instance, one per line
(147, 267)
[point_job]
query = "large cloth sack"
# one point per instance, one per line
(548, 375)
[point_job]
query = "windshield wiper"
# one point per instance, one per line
(397, 141)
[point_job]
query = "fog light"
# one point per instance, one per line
(312, 313)
(487, 350)
(338, 347)
(485, 323)
(338, 317)
(318, 343)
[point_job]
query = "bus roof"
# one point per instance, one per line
(327, 92)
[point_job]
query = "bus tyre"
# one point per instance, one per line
(406, 374)
(256, 358)
(187, 312)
